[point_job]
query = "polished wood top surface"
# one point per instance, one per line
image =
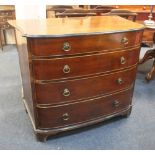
(58, 27)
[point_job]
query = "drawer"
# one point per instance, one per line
(70, 90)
(83, 44)
(5, 26)
(84, 111)
(6, 13)
(68, 67)
(5, 19)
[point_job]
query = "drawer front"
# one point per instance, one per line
(67, 91)
(5, 19)
(6, 13)
(5, 26)
(83, 44)
(48, 69)
(86, 110)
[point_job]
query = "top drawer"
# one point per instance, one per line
(83, 44)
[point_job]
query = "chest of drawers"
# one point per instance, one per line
(77, 71)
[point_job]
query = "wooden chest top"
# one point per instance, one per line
(59, 27)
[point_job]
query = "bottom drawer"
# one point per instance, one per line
(62, 115)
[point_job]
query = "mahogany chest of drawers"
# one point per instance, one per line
(77, 71)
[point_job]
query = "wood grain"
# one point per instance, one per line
(52, 117)
(80, 45)
(53, 68)
(52, 93)
(58, 27)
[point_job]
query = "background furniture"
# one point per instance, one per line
(6, 13)
(150, 54)
(123, 13)
(142, 11)
(74, 77)
(56, 9)
(100, 9)
(149, 37)
(75, 13)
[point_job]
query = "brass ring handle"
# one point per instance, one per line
(116, 103)
(65, 116)
(66, 69)
(124, 41)
(119, 80)
(66, 92)
(66, 47)
(123, 61)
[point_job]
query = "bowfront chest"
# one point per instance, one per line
(77, 71)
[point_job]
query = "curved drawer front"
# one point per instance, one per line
(60, 116)
(48, 69)
(83, 44)
(56, 92)
(6, 13)
(3, 20)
